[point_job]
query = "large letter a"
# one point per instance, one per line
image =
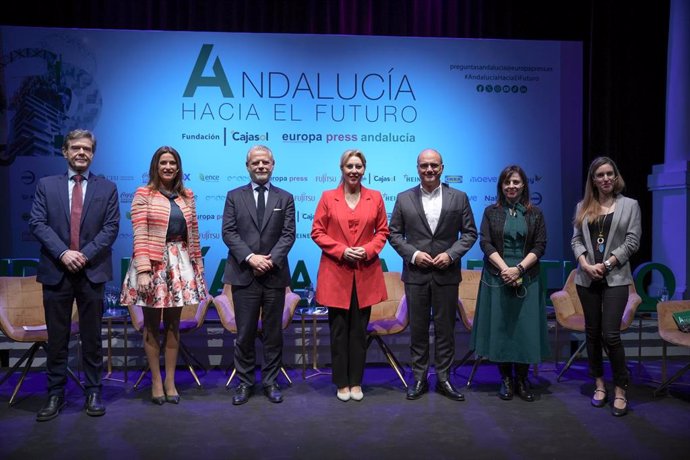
(197, 79)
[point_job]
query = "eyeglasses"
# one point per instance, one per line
(425, 166)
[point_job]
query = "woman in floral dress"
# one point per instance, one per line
(166, 271)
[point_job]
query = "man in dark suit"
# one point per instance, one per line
(259, 230)
(76, 218)
(432, 227)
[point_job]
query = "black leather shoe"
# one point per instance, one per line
(418, 389)
(599, 402)
(158, 400)
(273, 394)
(523, 390)
(506, 391)
(448, 390)
(172, 399)
(242, 393)
(619, 412)
(94, 405)
(51, 409)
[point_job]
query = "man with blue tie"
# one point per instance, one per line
(259, 230)
(75, 217)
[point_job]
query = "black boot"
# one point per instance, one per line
(506, 391)
(522, 384)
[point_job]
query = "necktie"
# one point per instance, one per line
(260, 205)
(75, 212)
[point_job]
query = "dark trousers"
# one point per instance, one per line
(423, 301)
(57, 302)
(603, 307)
(349, 342)
(251, 303)
(506, 370)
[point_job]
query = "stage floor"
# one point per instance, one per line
(312, 424)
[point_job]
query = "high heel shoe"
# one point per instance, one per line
(172, 399)
(599, 402)
(158, 400)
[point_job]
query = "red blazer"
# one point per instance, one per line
(331, 233)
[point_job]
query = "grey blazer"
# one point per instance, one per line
(409, 232)
(623, 242)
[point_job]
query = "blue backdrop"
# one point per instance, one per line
(483, 104)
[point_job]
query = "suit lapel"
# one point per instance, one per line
(271, 202)
(617, 213)
(341, 209)
(63, 194)
(363, 210)
(417, 202)
(91, 189)
(447, 199)
(248, 199)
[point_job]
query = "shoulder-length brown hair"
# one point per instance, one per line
(154, 177)
(524, 196)
(589, 206)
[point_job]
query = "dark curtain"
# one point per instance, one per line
(625, 50)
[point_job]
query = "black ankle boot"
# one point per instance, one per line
(506, 391)
(523, 390)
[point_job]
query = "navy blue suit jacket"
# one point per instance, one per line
(242, 235)
(50, 224)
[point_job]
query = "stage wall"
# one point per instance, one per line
(483, 104)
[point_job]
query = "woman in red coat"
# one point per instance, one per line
(350, 227)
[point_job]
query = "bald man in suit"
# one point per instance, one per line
(432, 227)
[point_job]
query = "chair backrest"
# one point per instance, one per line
(390, 316)
(568, 308)
(191, 318)
(668, 329)
(468, 289)
(22, 316)
(226, 308)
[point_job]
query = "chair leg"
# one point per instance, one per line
(668, 382)
(141, 376)
(74, 377)
(190, 356)
(477, 362)
(571, 359)
(284, 372)
(392, 360)
(29, 361)
(232, 376)
(30, 352)
(462, 361)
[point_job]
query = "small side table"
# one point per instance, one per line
(315, 313)
(109, 316)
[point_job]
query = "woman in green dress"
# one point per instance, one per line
(510, 321)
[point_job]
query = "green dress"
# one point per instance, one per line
(510, 323)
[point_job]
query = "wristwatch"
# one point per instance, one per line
(608, 265)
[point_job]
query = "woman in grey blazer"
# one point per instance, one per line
(607, 231)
